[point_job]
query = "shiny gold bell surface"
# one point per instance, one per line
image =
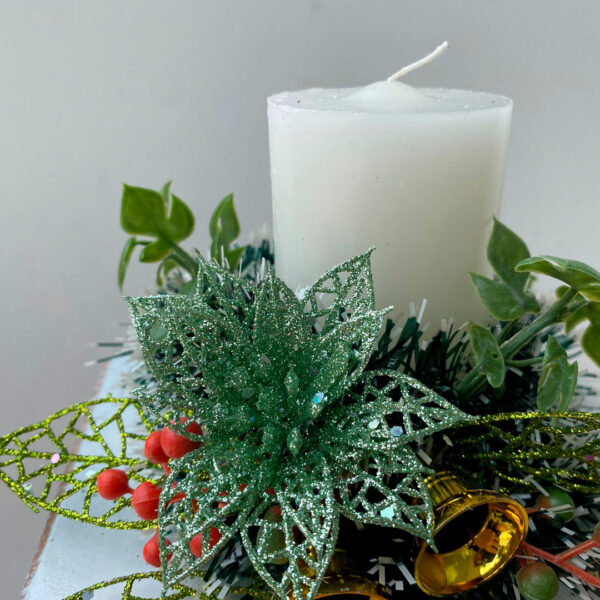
(342, 582)
(477, 532)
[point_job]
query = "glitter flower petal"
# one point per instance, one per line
(247, 362)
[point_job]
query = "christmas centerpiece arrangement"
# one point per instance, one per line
(286, 435)
(305, 445)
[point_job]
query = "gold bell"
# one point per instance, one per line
(342, 582)
(476, 533)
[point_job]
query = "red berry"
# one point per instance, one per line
(151, 551)
(145, 500)
(196, 542)
(112, 484)
(175, 445)
(153, 450)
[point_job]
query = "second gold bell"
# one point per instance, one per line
(476, 533)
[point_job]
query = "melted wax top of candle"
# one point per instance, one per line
(389, 97)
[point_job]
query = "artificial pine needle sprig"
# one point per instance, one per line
(293, 420)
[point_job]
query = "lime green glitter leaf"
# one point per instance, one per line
(127, 587)
(124, 586)
(290, 419)
(559, 448)
(45, 466)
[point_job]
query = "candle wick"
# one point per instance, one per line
(419, 63)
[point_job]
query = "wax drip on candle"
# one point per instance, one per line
(392, 95)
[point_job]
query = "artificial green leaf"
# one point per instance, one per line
(497, 297)
(588, 312)
(554, 351)
(506, 299)
(155, 251)
(158, 332)
(233, 256)
(591, 292)
(569, 385)
(224, 228)
(219, 354)
(165, 267)
(124, 260)
(357, 334)
(573, 319)
(392, 397)
(573, 272)
(180, 221)
(143, 211)
(165, 192)
(557, 379)
(294, 441)
(590, 342)
(224, 223)
(505, 250)
(487, 354)
(549, 387)
(292, 383)
(593, 313)
(157, 214)
(217, 251)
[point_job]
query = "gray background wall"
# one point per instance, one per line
(94, 93)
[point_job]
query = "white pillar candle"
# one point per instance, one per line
(416, 172)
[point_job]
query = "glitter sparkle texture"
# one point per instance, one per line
(247, 361)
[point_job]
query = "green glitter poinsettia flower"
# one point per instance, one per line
(296, 431)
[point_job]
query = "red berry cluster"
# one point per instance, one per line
(160, 446)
